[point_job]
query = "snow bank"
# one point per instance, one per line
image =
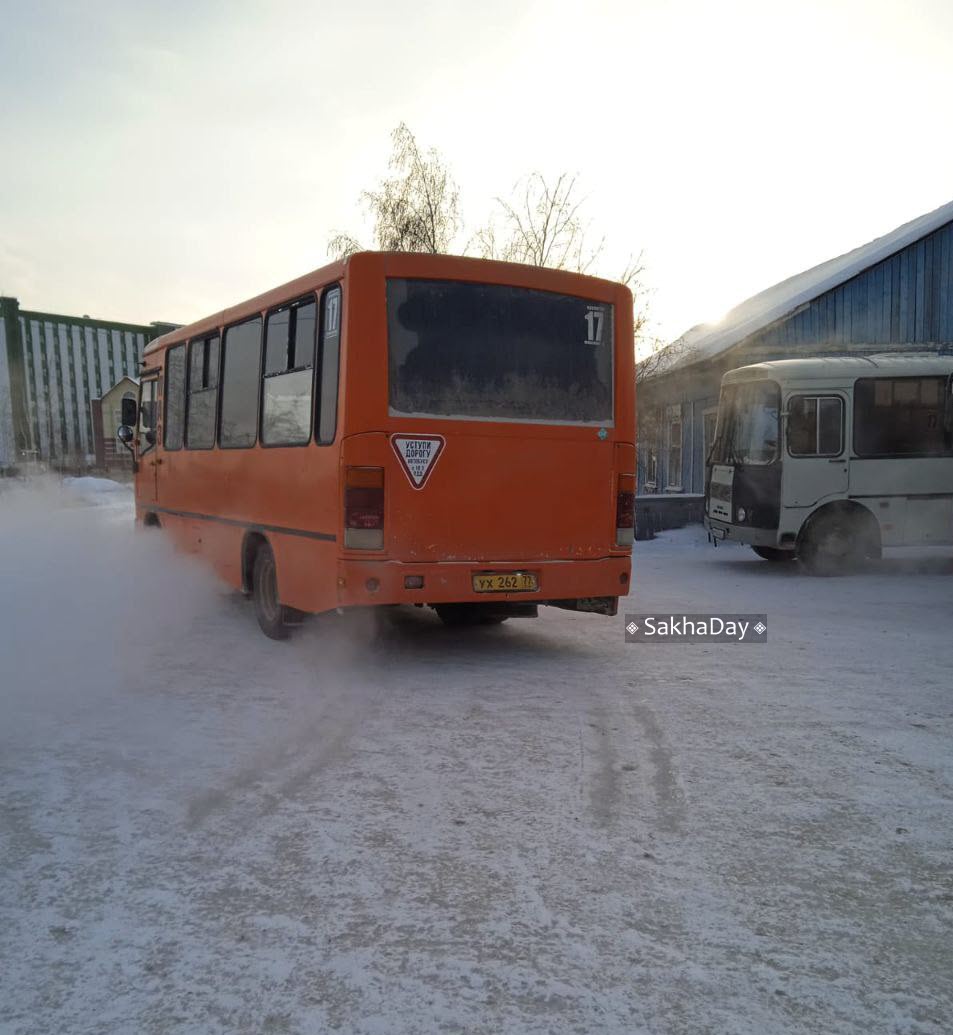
(89, 486)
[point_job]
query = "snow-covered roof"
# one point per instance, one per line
(707, 340)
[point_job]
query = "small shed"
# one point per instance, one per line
(106, 418)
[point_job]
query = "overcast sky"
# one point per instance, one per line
(163, 160)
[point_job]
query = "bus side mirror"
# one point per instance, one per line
(127, 436)
(129, 414)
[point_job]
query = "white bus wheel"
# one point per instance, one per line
(833, 543)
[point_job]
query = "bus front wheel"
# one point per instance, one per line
(837, 542)
(272, 617)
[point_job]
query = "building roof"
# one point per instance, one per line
(707, 340)
(124, 382)
(10, 305)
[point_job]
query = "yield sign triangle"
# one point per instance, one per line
(417, 455)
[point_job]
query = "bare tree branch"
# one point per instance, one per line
(542, 225)
(414, 210)
(632, 276)
(661, 358)
(342, 246)
(542, 222)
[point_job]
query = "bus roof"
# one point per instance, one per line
(421, 265)
(299, 286)
(822, 368)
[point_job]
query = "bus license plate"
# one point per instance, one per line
(505, 582)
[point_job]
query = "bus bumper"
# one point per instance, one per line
(563, 583)
(720, 530)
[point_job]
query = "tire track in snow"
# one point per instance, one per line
(612, 732)
(278, 773)
(669, 797)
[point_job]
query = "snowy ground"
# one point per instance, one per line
(535, 828)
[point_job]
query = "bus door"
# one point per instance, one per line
(815, 460)
(147, 487)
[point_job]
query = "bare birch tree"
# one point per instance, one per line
(416, 209)
(544, 224)
(541, 225)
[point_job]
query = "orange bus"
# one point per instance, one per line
(400, 429)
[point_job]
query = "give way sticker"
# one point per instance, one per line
(417, 455)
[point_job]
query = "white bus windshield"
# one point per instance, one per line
(748, 424)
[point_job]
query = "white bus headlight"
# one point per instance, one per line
(742, 513)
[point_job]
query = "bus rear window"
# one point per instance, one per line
(484, 351)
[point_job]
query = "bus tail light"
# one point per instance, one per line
(364, 508)
(625, 510)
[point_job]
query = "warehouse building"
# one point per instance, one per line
(52, 367)
(893, 294)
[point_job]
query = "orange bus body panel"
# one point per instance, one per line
(503, 495)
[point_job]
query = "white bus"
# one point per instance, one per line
(827, 460)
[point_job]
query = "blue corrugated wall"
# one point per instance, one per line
(906, 298)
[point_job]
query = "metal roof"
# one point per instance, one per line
(707, 340)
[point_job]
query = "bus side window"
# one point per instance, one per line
(241, 369)
(815, 425)
(174, 430)
(288, 376)
(203, 393)
(330, 358)
(899, 416)
(147, 416)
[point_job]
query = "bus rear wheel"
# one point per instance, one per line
(772, 553)
(272, 616)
